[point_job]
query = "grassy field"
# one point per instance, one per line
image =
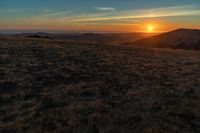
(67, 87)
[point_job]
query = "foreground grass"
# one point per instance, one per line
(52, 86)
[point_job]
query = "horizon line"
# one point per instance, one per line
(20, 31)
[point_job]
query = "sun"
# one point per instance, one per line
(150, 28)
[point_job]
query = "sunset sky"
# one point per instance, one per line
(100, 15)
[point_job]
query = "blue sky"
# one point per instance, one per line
(98, 14)
(88, 4)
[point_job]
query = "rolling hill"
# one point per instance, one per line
(105, 38)
(179, 39)
(50, 86)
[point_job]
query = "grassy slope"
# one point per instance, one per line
(66, 87)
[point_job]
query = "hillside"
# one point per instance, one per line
(53, 86)
(105, 38)
(179, 39)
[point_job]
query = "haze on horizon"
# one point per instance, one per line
(100, 15)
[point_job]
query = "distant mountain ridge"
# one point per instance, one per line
(179, 39)
(105, 38)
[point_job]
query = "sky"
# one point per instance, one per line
(100, 15)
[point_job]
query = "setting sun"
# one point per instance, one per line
(150, 28)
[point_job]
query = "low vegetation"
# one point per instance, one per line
(57, 86)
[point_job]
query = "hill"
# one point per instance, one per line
(55, 86)
(179, 39)
(105, 38)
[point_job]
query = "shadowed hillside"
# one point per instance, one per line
(58, 86)
(105, 38)
(179, 39)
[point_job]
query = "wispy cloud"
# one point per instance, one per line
(46, 10)
(184, 10)
(58, 14)
(105, 8)
(108, 16)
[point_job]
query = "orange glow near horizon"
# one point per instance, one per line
(145, 26)
(150, 28)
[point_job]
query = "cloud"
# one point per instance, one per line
(60, 13)
(182, 10)
(105, 8)
(47, 10)
(108, 16)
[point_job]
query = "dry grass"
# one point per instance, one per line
(53, 86)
